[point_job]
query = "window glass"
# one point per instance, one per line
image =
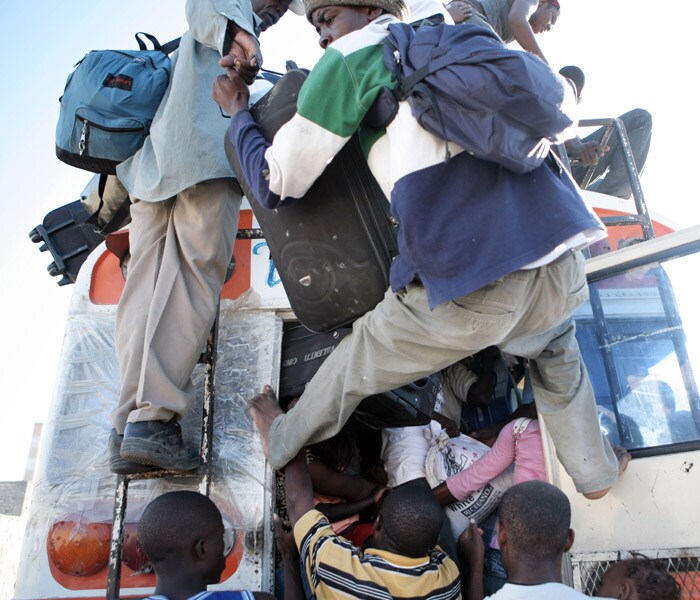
(639, 337)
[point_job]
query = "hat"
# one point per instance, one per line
(398, 8)
(297, 7)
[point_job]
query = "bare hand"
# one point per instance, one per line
(231, 94)
(486, 435)
(243, 56)
(590, 153)
(284, 537)
(470, 546)
(379, 492)
(459, 10)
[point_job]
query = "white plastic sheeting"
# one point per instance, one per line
(74, 478)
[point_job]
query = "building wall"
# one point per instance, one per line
(12, 497)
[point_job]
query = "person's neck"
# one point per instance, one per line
(534, 572)
(180, 586)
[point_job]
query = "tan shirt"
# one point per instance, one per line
(185, 145)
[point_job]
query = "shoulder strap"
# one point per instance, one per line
(171, 46)
(519, 427)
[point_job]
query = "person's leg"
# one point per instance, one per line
(194, 255)
(149, 223)
(566, 403)
(561, 386)
(401, 340)
(612, 165)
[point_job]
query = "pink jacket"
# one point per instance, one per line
(525, 450)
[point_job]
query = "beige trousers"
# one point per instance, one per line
(527, 313)
(180, 249)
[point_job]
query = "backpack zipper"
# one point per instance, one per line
(85, 133)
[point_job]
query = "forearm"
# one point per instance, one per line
(443, 495)
(486, 468)
(522, 32)
(298, 488)
(250, 144)
(343, 510)
(331, 483)
(293, 588)
(473, 584)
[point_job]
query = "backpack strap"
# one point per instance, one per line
(519, 427)
(171, 46)
(119, 215)
(152, 38)
(167, 48)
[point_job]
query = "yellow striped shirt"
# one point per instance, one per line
(334, 568)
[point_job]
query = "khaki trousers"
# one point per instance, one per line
(527, 313)
(180, 249)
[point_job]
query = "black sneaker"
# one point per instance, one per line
(117, 464)
(158, 444)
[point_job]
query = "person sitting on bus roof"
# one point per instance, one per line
(639, 579)
(534, 531)
(516, 20)
(182, 534)
(401, 561)
(610, 173)
(456, 287)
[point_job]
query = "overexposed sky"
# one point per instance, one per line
(634, 54)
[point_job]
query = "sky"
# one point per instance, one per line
(634, 55)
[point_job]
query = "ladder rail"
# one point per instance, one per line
(205, 470)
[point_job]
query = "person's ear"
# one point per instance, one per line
(501, 535)
(373, 12)
(200, 549)
(378, 523)
(569, 540)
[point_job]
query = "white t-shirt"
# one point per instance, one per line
(544, 591)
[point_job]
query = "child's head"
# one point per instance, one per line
(409, 522)
(183, 532)
(533, 524)
(639, 579)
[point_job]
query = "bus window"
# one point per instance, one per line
(639, 337)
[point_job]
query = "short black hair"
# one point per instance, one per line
(174, 521)
(412, 518)
(537, 516)
(651, 579)
(576, 75)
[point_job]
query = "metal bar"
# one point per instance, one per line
(622, 220)
(250, 234)
(208, 409)
(600, 326)
(564, 156)
(677, 334)
(115, 543)
(635, 184)
(585, 182)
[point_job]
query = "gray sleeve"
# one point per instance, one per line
(458, 379)
(208, 20)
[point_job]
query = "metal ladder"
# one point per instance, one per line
(606, 340)
(204, 471)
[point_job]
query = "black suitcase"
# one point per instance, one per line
(333, 248)
(406, 406)
(66, 234)
(303, 352)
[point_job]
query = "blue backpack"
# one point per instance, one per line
(466, 87)
(109, 102)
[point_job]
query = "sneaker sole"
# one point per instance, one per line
(142, 453)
